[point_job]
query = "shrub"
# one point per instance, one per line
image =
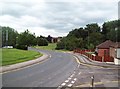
(23, 47)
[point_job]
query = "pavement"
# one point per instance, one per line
(85, 60)
(23, 64)
(106, 76)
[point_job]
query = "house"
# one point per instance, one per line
(109, 51)
(115, 52)
(103, 49)
(55, 39)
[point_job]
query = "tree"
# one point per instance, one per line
(11, 35)
(42, 42)
(108, 28)
(26, 38)
(92, 27)
(49, 38)
(70, 43)
(79, 33)
(95, 38)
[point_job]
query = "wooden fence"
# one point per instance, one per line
(94, 57)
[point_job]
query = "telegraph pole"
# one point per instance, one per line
(6, 38)
(116, 33)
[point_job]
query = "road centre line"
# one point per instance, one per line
(70, 85)
(79, 73)
(63, 84)
(72, 75)
(75, 79)
(69, 78)
(66, 81)
(72, 81)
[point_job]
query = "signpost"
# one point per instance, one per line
(92, 83)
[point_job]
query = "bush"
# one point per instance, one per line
(23, 47)
(42, 42)
(60, 45)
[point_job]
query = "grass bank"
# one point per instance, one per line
(51, 46)
(13, 56)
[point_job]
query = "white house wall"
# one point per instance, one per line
(118, 53)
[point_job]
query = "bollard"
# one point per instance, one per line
(92, 81)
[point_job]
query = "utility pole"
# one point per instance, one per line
(116, 33)
(6, 38)
(88, 39)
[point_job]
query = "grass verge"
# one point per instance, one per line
(51, 46)
(13, 56)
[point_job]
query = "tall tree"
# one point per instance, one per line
(9, 36)
(26, 38)
(92, 27)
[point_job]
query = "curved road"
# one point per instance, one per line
(50, 73)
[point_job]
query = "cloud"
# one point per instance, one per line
(55, 17)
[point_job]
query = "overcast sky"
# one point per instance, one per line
(53, 17)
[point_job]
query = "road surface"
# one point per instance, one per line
(49, 73)
(64, 70)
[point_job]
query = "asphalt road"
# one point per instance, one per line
(64, 70)
(50, 73)
(106, 76)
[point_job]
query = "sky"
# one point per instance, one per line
(55, 17)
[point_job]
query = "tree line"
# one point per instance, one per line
(11, 37)
(91, 35)
(87, 37)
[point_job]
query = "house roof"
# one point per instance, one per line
(105, 45)
(115, 45)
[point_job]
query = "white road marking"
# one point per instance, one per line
(72, 75)
(50, 56)
(75, 79)
(79, 73)
(63, 84)
(59, 87)
(69, 85)
(69, 78)
(67, 81)
(72, 81)
(78, 66)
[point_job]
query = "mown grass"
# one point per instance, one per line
(51, 46)
(13, 56)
